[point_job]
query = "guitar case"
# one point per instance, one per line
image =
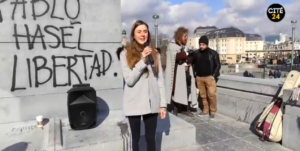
(269, 124)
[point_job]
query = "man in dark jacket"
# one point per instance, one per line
(206, 65)
(277, 73)
(246, 73)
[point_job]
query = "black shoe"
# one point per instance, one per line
(188, 113)
(212, 116)
(175, 112)
(202, 114)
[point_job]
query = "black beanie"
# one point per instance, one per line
(203, 39)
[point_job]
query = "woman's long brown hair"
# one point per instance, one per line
(134, 49)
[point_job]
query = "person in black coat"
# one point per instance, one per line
(246, 73)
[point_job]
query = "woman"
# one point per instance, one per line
(144, 92)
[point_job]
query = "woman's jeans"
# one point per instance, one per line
(150, 121)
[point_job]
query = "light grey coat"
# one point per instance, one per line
(180, 94)
(142, 94)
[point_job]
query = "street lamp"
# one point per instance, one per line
(264, 65)
(124, 32)
(155, 17)
(124, 38)
(294, 23)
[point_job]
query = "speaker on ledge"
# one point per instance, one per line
(82, 107)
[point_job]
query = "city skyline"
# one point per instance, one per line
(249, 16)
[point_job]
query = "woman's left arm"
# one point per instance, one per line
(161, 84)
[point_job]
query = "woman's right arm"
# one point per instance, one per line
(131, 76)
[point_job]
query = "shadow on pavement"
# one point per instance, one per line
(21, 146)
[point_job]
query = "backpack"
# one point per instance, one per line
(269, 124)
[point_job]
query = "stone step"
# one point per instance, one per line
(24, 136)
(111, 134)
(18, 109)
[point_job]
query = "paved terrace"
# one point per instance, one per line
(37, 90)
(221, 134)
(226, 134)
(198, 134)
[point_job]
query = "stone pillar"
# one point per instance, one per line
(36, 76)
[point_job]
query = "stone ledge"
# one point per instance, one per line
(111, 134)
(24, 135)
(55, 135)
(247, 106)
(262, 86)
(244, 95)
(291, 132)
(54, 105)
(292, 110)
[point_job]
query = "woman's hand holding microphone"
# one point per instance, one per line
(147, 51)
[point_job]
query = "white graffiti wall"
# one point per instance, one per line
(46, 46)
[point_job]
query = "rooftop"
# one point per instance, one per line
(225, 32)
(253, 37)
(204, 28)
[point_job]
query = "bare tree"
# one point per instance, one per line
(163, 55)
(162, 39)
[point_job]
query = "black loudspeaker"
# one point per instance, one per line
(82, 107)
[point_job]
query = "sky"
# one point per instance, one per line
(248, 15)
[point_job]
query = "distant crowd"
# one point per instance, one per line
(274, 74)
(271, 74)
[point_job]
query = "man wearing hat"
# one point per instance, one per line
(206, 66)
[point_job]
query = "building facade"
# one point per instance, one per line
(202, 30)
(230, 43)
(254, 45)
(198, 32)
(296, 45)
(192, 42)
(283, 37)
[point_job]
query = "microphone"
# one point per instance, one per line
(149, 57)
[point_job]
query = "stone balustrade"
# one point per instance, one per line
(245, 98)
